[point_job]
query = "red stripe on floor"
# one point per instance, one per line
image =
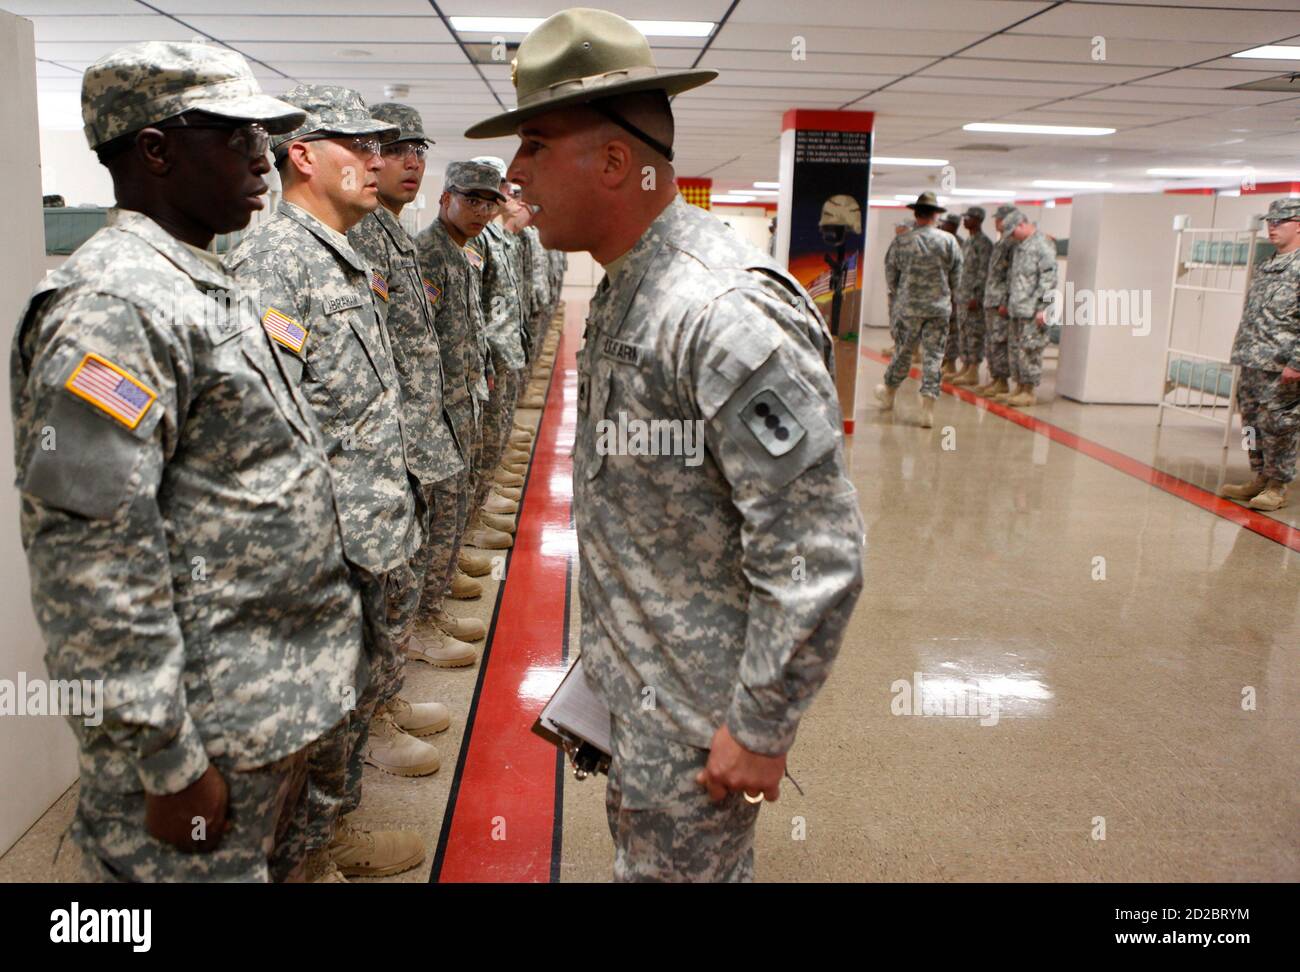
(504, 812)
(1265, 526)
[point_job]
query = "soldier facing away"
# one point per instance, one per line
(691, 597)
(1029, 294)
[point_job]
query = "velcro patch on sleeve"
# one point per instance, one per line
(772, 422)
(106, 386)
(379, 285)
(284, 329)
(473, 257)
(430, 290)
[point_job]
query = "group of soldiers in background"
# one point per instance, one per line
(974, 299)
(248, 485)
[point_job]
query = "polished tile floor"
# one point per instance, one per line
(1056, 672)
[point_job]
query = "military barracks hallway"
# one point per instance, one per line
(1135, 633)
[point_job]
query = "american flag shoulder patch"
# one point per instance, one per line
(284, 329)
(379, 285)
(433, 292)
(110, 389)
(473, 257)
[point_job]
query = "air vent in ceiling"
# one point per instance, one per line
(985, 147)
(1289, 83)
(489, 53)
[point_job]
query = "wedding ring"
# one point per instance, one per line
(753, 799)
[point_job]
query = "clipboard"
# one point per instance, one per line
(577, 720)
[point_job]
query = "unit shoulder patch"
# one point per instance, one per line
(772, 422)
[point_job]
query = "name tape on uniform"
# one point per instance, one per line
(334, 304)
(621, 351)
(110, 389)
(284, 329)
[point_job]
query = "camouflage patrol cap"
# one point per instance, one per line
(142, 84)
(975, 212)
(1012, 220)
(410, 126)
(473, 177)
(332, 110)
(952, 219)
(496, 163)
(1280, 209)
(1001, 211)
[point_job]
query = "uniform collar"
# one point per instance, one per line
(631, 267)
(396, 231)
(332, 238)
(1279, 261)
(143, 227)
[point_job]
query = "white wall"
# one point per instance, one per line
(37, 753)
(70, 169)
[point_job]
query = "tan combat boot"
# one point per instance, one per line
(498, 504)
(485, 538)
(947, 370)
(970, 375)
(463, 587)
(505, 478)
(419, 718)
(1245, 491)
(320, 868)
(375, 853)
(1023, 398)
(1272, 498)
(885, 396)
(1000, 391)
(495, 521)
(396, 752)
(440, 650)
(474, 564)
(462, 629)
(927, 412)
(509, 492)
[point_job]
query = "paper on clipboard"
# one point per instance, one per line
(576, 711)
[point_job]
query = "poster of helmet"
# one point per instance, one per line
(825, 174)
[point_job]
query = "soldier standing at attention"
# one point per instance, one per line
(1029, 294)
(432, 449)
(996, 325)
(177, 507)
(922, 274)
(950, 223)
(975, 254)
(686, 585)
(1267, 349)
(317, 300)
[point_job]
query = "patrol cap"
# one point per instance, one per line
(927, 200)
(975, 212)
(952, 219)
(332, 110)
(141, 84)
(1283, 209)
(1001, 211)
(577, 56)
(410, 126)
(1012, 220)
(474, 177)
(496, 163)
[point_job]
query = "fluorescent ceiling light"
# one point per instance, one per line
(767, 185)
(1036, 129)
(890, 160)
(882, 202)
(1195, 173)
(1070, 184)
(999, 193)
(522, 25)
(1274, 52)
(727, 197)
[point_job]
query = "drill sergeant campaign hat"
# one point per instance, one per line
(927, 200)
(1283, 209)
(332, 110)
(583, 56)
(142, 84)
(974, 212)
(1012, 220)
(474, 177)
(410, 126)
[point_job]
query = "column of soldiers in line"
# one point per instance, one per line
(245, 483)
(971, 298)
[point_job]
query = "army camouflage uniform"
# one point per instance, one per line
(190, 557)
(503, 319)
(890, 252)
(922, 273)
(686, 585)
(1029, 290)
(976, 250)
(998, 328)
(432, 450)
(1268, 339)
(298, 268)
(540, 289)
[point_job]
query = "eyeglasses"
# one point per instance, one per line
(478, 203)
(251, 140)
(405, 150)
(365, 145)
(1279, 222)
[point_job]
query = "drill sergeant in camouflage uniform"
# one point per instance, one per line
(975, 254)
(177, 507)
(922, 273)
(432, 450)
(1267, 349)
(996, 325)
(317, 300)
(952, 346)
(899, 230)
(1029, 294)
(686, 588)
